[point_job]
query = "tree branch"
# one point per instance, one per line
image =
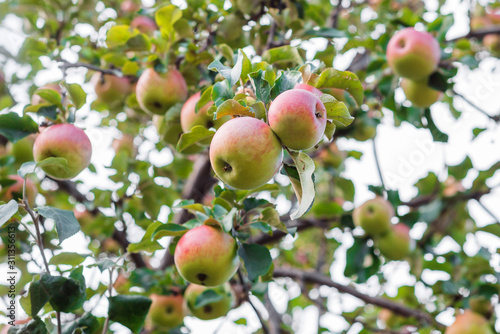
(472, 104)
(478, 33)
(65, 65)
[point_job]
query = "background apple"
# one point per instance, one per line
(206, 255)
(211, 310)
(190, 118)
(309, 88)
(298, 118)
(63, 141)
(111, 89)
(413, 54)
(144, 24)
(395, 244)
(129, 6)
(157, 92)
(245, 153)
(419, 93)
(15, 191)
(37, 99)
(469, 323)
(166, 311)
(22, 150)
(125, 144)
(374, 216)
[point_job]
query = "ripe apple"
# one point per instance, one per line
(245, 153)
(129, 6)
(166, 311)
(63, 141)
(37, 99)
(144, 24)
(374, 216)
(22, 150)
(125, 144)
(298, 118)
(111, 89)
(309, 88)
(469, 323)
(212, 310)
(190, 118)
(395, 244)
(157, 92)
(206, 255)
(413, 54)
(419, 93)
(15, 191)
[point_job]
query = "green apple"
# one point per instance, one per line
(298, 118)
(22, 150)
(15, 191)
(111, 89)
(63, 141)
(419, 93)
(469, 323)
(395, 244)
(245, 153)
(211, 310)
(157, 92)
(374, 216)
(413, 54)
(206, 255)
(166, 312)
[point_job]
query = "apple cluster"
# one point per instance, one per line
(374, 216)
(414, 55)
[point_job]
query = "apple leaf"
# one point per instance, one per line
(77, 95)
(34, 326)
(139, 42)
(197, 134)
(43, 109)
(304, 188)
(256, 258)
(232, 107)
(169, 230)
(146, 243)
(86, 324)
(66, 223)
(336, 110)
(226, 51)
(271, 217)
(461, 170)
(26, 168)
(348, 81)
(283, 54)
(221, 92)
(206, 97)
(118, 35)
(15, 128)
(325, 33)
(330, 129)
(166, 17)
(7, 211)
(207, 297)
(438, 82)
(38, 297)
(72, 259)
(65, 294)
(243, 65)
(260, 85)
(227, 221)
(437, 134)
(60, 163)
(50, 95)
(286, 80)
(129, 310)
(189, 204)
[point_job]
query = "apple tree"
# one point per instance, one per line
(224, 166)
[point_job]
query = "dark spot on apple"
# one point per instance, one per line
(371, 210)
(157, 105)
(210, 124)
(401, 43)
(318, 115)
(227, 167)
(169, 309)
(202, 277)
(207, 308)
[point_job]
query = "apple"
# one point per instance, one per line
(63, 141)
(37, 99)
(298, 118)
(129, 6)
(492, 41)
(125, 144)
(206, 255)
(157, 92)
(245, 153)
(190, 118)
(481, 305)
(309, 88)
(22, 150)
(469, 323)
(166, 311)
(413, 54)
(211, 310)
(111, 89)
(144, 24)
(2, 81)
(395, 244)
(15, 191)
(374, 216)
(419, 93)
(331, 156)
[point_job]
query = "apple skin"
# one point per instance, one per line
(206, 255)
(166, 311)
(17, 189)
(144, 24)
(374, 216)
(129, 6)
(395, 244)
(190, 118)
(298, 118)
(413, 54)
(111, 89)
(125, 144)
(469, 323)
(156, 92)
(63, 141)
(419, 93)
(212, 310)
(22, 150)
(36, 99)
(309, 88)
(245, 153)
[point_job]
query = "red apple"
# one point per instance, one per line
(211, 310)
(157, 92)
(413, 54)
(190, 118)
(15, 191)
(144, 24)
(63, 141)
(206, 255)
(166, 312)
(419, 93)
(129, 6)
(309, 88)
(245, 153)
(111, 89)
(469, 323)
(36, 99)
(298, 118)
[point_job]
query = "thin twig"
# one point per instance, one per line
(110, 289)
(377, 163)
(488, 211)
(247, 296)
(475, 106)
(65, 65)
(478, 33)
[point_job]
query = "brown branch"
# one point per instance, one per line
(475, 106)
(65, 65)
(478, 33)
(315, 277)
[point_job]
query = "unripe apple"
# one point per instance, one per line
(125, 144)
(15, 191)
(298, 118)
(37, 99)
(63, 141)
(190, 118)
(166, 311)
(22, 150)
(144, 24)
(245, 153)
(469, 323)
(111, 89)
(309, 88)
(413, 54)
(206, 255)
(374, 216)
(211, 310)
(395, 244)
(157, 92)
(419, 93)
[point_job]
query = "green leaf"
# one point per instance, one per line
(197, 135)
(208, 296)
(118, 35)
(66, 223)
(72, 259)
(128, 310)
(26, 168)
(147, 244)
(245, 64)
(437, 134)
(241, 321)
(260, 85)
(227, 221)
(42, 109)
(241, 69)
(325, 32)
(256, 258)
(139, 42)
(283, 54)
(66, 294)
(336, 110)
(77, 95)
(348, 81)
(7, 211)
(38, 297)
(87, 322)
(286, 80)
(438, 82)
(169, 230)
(206, 97)
(460, 171)
(305, 191)
(35, 326)
(60, 163)
(330, 129)
(232, 107)
(355, 257)
(166, 17)
(51, 96)
(14, 127)
(272, 217)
